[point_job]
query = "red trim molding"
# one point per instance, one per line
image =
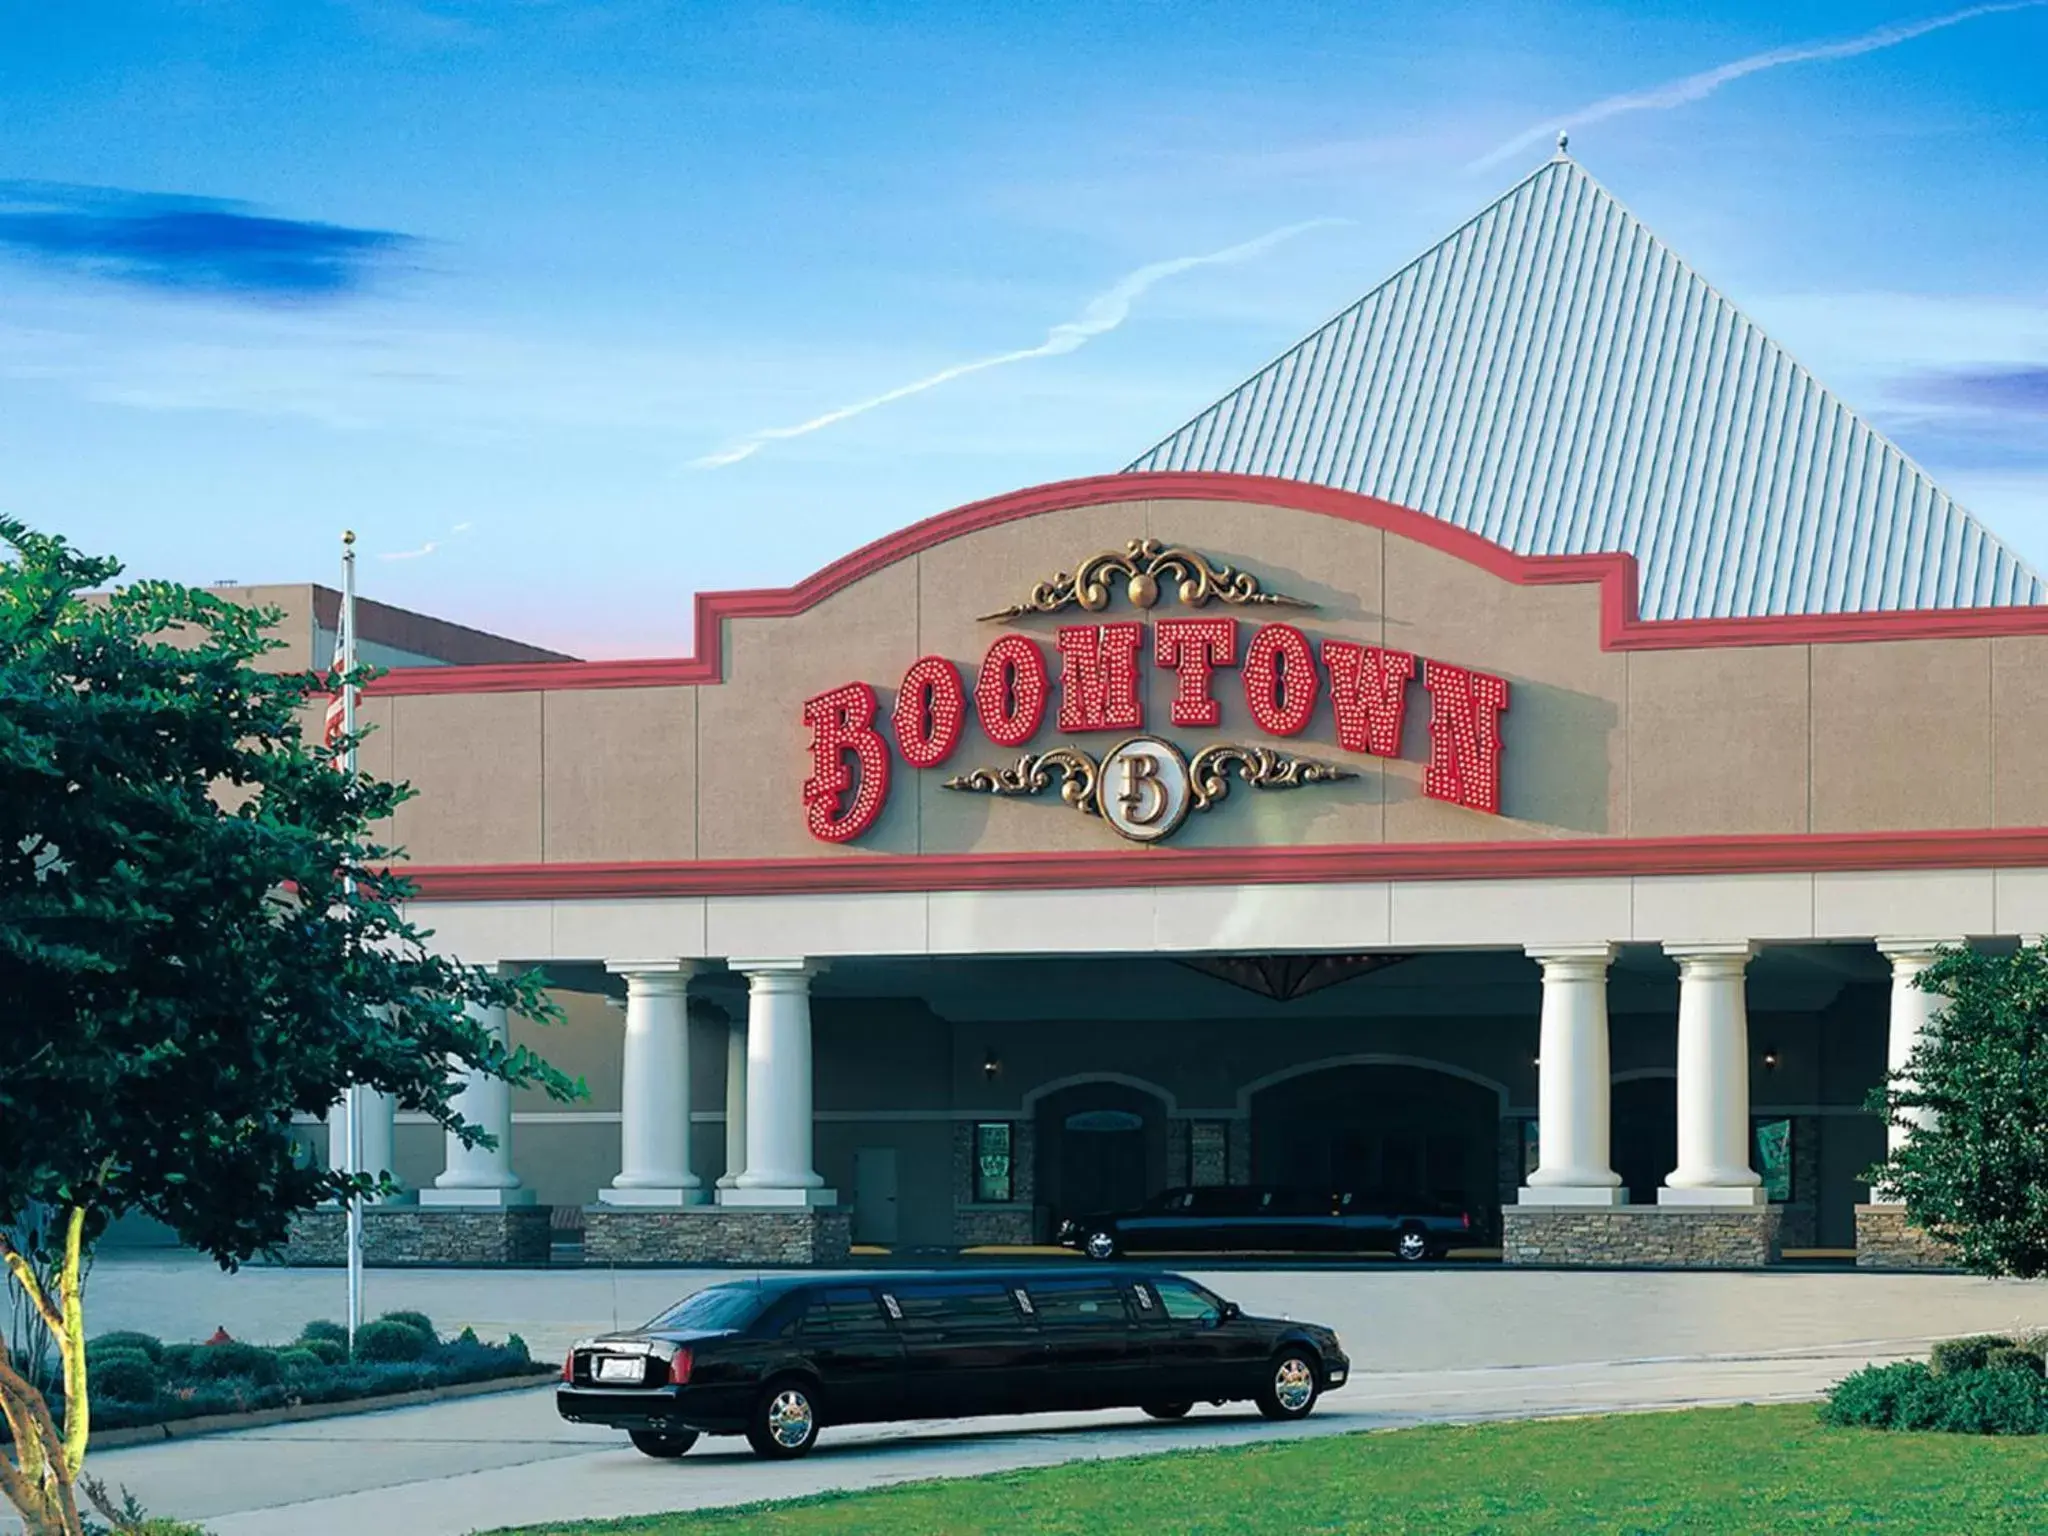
(2004, 848)
(1621, 629)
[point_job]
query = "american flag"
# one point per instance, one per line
(337, 704)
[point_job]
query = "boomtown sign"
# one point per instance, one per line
(1144, 786)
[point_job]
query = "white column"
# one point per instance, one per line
(379, 1113)
(1572, 1081)
(654, 1102)
(778, 1169)
(735, 1104)
(1914, 1012)
(1713, 1079)
(481, 1175)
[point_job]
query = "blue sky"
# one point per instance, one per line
(508, 286)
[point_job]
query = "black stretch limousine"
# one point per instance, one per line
(775, 1359)
(1272, 1219)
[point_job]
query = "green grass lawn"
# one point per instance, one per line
(1713, 1469)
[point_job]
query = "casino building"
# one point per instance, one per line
(1519, 748)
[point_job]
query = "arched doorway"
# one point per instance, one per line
(1101, 1147)
(1645, 1120)
(1409, 1131)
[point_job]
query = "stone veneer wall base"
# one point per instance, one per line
(1641, 1236)
(984, 1226)
(716, 1234)
(1885, 1241)
(401, 1236)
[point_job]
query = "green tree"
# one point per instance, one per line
(199, 938)
(1976, 1174)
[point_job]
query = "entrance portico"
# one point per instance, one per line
(934, 1058)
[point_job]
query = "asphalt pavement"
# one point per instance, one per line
(1427, 1345)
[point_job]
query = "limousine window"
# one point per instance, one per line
(713, 1309)
(1185, 1304)
(956, 1306)
(844, 1309)
(1077, 1302)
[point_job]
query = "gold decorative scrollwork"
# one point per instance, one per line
(1143, 564)
(1208, 774)
(1209, 771)
(1033, 773)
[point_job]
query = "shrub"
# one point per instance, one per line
(517, 1346)
(126, 1342)
(418, 1321)
(326, 1351)
(2013, 1358)
(1998, 1399)
(1872, 1397)
(1994, 1402)
(96, 1358)
(177, 1361)
(320, 1328)
(217, 1362)
(126, 1377)
(1967, 1354)
(467, 1336)
(388, 1340)
(299, 1362)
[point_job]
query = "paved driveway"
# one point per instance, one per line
(1426, 1345)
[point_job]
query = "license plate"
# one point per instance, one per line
(632, 1369)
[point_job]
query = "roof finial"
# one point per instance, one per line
(1564, 142)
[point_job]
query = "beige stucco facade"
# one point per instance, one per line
(1717, 740)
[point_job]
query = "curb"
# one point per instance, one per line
(258, 1418)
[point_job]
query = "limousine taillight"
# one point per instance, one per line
(569, 1368)
(679, 1368)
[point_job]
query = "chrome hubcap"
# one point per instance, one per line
(789, 1418)
(1101, 1246)
(1294, 1384)
(1411, 1245)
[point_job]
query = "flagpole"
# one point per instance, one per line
(354, 1115)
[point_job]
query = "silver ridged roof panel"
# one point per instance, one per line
(1553, 378)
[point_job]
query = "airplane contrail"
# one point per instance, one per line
(1693, 87)
(1105, 312)
(427, 548)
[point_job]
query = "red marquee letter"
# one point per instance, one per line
(931, 708)
(1280, 679)
(1099, 677)
(1369, 694)
(1464, 736)
(1010, 693)
(1192, 648)
(842, 725)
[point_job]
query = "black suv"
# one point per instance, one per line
(775, 1359)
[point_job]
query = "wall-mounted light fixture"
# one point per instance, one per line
(1770, 1058)
(991, 1066)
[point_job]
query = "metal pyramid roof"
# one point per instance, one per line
(1553, 378)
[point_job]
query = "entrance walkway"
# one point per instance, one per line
(1426, 1345)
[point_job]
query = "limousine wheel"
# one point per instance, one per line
(1169, 1410)
(1290, 1389)
(1411, 1247)
(785, 1421)
(652, 1442)
(1101, 1245)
